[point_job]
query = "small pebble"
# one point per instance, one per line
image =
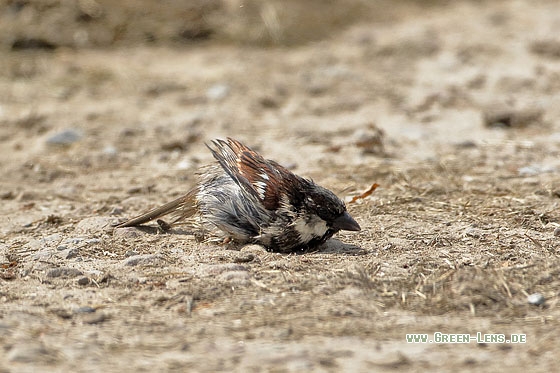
(95, 224)
(557, 232)
(69, 253)
(83, 281)
(43, 255)
(268, 102)
(244, 258)
(370, 140)
(184, 164)
(234, 277)
(84, 309)
(217, 92)
(127, 233)
(504, 116)
(253, 249)
(95, 318)
(73, 240)
(51, 238)
(148, 259)
(535, 169)
(536, 299)
(116, 211)
(64, 272)
(466, 144)
(110, 151)
(473, 232)
(66, 137)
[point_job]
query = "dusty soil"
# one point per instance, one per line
(452, 108)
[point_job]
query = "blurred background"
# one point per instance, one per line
(92, 84)
(102, 23)
(354, 82)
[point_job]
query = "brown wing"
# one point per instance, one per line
(256, 175)
(181, 208)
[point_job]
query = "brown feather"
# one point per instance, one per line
(247, 168)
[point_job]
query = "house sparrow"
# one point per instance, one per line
(249, 199)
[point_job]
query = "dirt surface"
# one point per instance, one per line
(453, 108)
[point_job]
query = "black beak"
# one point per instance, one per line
(345, 223)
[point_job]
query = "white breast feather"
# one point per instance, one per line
(308, 230)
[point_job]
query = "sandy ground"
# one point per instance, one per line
(453, 109)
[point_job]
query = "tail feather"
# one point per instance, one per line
(182, 208)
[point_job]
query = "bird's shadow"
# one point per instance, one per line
(334, 246)
(150, 229)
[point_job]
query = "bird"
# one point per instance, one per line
(245, 198)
